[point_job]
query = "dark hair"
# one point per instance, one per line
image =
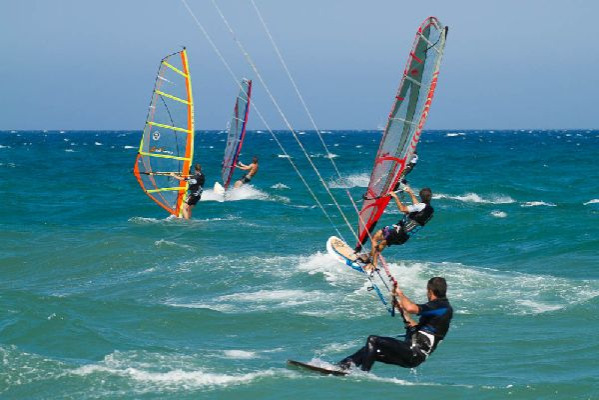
(426, 194)
(255, 159)
(438, 286)
(198, 167)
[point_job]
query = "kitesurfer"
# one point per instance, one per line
(194, 190)
(422, 337)
(415, 217)
(252, 170)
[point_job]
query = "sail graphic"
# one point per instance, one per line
(405, 123)
(237, 128)
(167, 142)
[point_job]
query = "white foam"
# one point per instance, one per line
(69, 150)
(536, 204)
(455, 134)
(279, 186)
(129, 147)
(4, 147)
(593, 201)
(351, 181)
(283, 156)
(168, 243)
(240, 354)
(98, 143)
(475, 198)
(321, 155)
(175, 379)
(499, 214)
(245, 192)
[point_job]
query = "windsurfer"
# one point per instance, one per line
(422, 337)
(252, 170)
(194, 190)
(415, 217)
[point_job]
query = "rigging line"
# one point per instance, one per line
(301, 98)
(282, 114)
(276, 139)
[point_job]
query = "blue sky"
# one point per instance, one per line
(508, 64)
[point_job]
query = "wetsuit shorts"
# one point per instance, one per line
(394, 234)
(246, 179)
(193, 200)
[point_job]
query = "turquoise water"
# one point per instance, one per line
(102, 296)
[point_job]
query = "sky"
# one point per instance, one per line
(508, 64)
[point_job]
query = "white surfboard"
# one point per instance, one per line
(344, 253)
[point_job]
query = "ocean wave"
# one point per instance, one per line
(279, 186)
(167, 243)
(350, 181)
(150, 372)
(455, 134)
(474, 290)
(245, 192)
(499, 214)
(320, 155)
(240, 354)
(536, 204)
(482, 290)
(129, 147)
(4, 147)
(593, 201)
(70, 150)
(476, 198)
(98, 144)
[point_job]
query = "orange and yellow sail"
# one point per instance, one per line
(167, 142)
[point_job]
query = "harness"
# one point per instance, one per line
(413, 222)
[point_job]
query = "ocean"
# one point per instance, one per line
(103, 296)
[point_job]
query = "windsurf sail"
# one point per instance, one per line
(237, 128)
(167, 141)
(405, 122)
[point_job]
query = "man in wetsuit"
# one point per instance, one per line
(194, 190)
(416, 216)
(252, 170)
(422, 337)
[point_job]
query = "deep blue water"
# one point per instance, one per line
(102, 296)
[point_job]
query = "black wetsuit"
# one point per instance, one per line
(420, 342)
(402, 231)
(195, 188)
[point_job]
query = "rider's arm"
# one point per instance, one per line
(243, 166)
(406, 303)
(178, 177)
(400, 205)
(412, 195)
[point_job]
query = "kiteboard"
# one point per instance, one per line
(344, 253)
(314, 368)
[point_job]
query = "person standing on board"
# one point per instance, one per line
(252, 170)
(194, 190)
(422, 337)
(415, 217)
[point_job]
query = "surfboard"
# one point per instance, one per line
(314, 368)
(344, 253)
